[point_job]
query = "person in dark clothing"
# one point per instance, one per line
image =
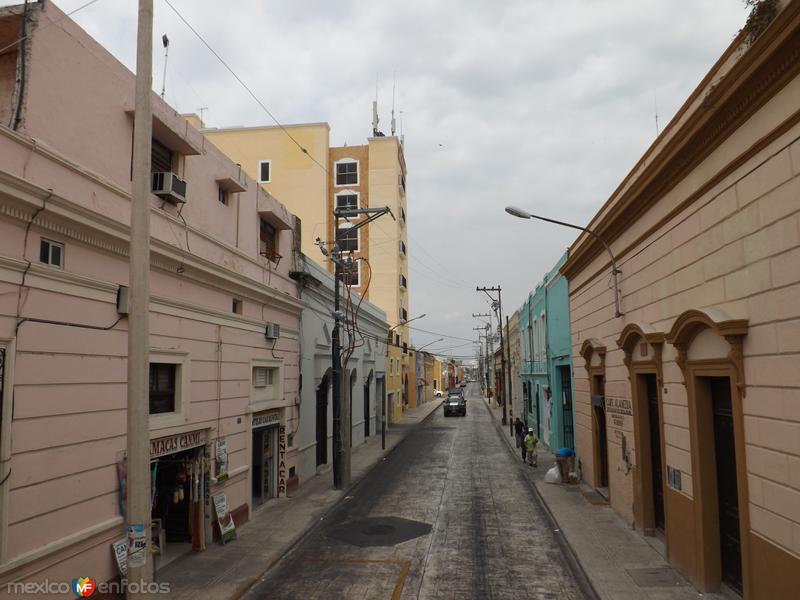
(519, 433)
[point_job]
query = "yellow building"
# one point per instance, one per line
(311, 184)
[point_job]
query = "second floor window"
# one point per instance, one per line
(347, 173)
(162, 388)
(348, 200)
(51, 253)
(160, 158)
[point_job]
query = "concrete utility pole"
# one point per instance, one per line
(495, 305)
(341, 410)
(138, 455)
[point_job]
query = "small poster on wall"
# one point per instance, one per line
(221, 462)
(227, 528)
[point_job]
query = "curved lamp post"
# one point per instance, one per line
(428, 344)
(523, 214)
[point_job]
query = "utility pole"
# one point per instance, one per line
(341, 410)
(510, 389)
(137, 511)
(481, 374)
(495, 305)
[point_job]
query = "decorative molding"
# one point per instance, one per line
(633, 334)
(693, 321)
(591, 346)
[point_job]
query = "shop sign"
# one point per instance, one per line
(618, 409)
(176, 443)
(265, 419)
(120, 550)
(227, 528)
(221, 463)
(282, 464)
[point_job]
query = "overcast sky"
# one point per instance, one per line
(545, 105)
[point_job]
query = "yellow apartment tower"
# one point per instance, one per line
(297, 165)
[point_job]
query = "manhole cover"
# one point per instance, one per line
(656, 577)
(378, 531)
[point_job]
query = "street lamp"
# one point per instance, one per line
(406, 322)
(426, 345)
(523, 214)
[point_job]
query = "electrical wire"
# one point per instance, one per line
(244, 85)
(43, 27)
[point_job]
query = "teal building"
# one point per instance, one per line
(546, 361)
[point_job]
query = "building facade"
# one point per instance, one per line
(223, 345)
(365, 374)
(515, 408)
(687, 402)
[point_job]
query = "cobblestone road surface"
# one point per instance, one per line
(488, 536)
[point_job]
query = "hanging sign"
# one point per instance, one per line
(176, 443)
(221, 463)
(282, 463)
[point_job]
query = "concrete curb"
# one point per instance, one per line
(574, 565)
(246, 587)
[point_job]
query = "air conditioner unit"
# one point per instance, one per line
(273, 331)
(170, 187)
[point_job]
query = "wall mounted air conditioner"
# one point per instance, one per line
(273, 331)
(170, 187)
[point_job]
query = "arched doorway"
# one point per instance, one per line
(594, 355)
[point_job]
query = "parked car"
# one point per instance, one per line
(455, 405)
(438, 393)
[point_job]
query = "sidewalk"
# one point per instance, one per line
(226, 572)
(619, 562)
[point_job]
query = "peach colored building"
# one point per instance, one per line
(688, 405)
(224, 316)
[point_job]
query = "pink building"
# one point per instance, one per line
(224, 316)
(687, 404)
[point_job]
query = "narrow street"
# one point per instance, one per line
(448, 514)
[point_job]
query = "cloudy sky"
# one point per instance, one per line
(542, 104)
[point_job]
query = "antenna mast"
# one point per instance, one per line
(375, 119)
(165, 42)
(394, 82)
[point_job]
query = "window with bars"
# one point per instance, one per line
(347, 173)
(347, 238)
(162, 388)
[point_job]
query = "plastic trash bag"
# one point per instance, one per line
(552, 476)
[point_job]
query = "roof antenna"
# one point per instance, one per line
(165, 41)
(655, 108)
(375, 119)
(394, 82)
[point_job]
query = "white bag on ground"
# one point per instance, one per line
(552, 476)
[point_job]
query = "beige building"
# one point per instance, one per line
(370, 175)
(688, 408)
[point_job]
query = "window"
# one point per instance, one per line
(347, 238)
(352, 272)
(263, 376)
(237, 306)
(403, 282)
(51, 253)
(162, 388)
(264, 171)
(347, 172)
(402, 247)
(402, 215)
(223, 195)
(347, 200)
(268, 240)
(161, 158)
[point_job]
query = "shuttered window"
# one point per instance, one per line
(160, 158)
(262, 376)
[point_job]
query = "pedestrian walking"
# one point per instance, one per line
(518, 431)
(530, 443)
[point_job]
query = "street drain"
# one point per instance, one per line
(378, 531)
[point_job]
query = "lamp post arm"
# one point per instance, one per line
(614, 270)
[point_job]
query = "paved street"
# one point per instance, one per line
(454, 485)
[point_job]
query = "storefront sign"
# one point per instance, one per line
(120, 550)
(618, 409)
(227, 528)
(176, 443)
(266, 419)
(282, 464)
